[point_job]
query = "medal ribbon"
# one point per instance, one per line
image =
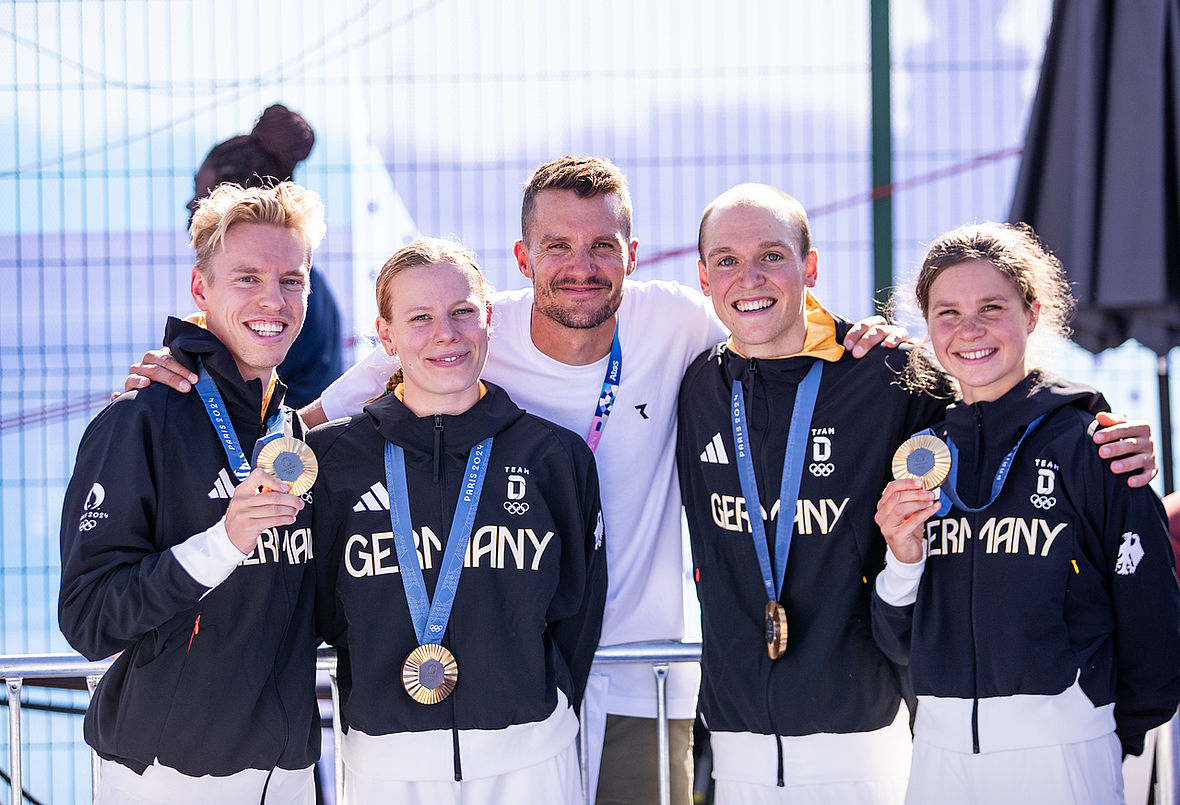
(430, 618)
(797, 436)
(610, 388)
(951, 496)
(219, 416)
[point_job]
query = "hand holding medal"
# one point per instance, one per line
(904, 507)
(254, 509)
(290, 460)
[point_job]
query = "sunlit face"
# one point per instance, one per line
(577, 256)
(979, 326)
(255, 296)
(438, 327)
(757, 279)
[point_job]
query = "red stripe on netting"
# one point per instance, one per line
(882, 191)
(29, 419)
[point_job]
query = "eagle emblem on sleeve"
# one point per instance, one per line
(1130, 553)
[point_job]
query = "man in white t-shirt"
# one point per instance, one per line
(552, 350)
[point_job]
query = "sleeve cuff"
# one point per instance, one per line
(209, 557)
(897, 584)
(360, 383)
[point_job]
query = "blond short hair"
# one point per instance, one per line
(285, 205)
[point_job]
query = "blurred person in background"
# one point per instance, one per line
(279, 141)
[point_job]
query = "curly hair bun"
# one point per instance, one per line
(285, 135)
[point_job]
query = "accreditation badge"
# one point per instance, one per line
(291, 461)
(430, 673)
(774, 629)
(924, 457)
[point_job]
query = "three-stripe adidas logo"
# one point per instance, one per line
(715, 451)
(223, 487)
(375, 500)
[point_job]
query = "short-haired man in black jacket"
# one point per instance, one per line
(179, 559)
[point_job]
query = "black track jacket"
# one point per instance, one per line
(832, 678)
(235, 690)
(528, 610)
(1068, 575)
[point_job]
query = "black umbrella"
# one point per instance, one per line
(1100, 177)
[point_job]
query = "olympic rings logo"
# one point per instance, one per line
(1042, 501)
(516, 506)
(85, 524)
(822, 470)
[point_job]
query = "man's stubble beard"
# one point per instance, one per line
(548, 306)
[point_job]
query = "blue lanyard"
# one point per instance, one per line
(797, 437)
(610, 389)
(430, 619)
(219, 416)
(951, 496)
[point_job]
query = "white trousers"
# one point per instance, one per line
(1083, 773)
(730, 792)
(556, 780)
(866, 768)
(160, 785)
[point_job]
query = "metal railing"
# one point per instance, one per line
(16, 669)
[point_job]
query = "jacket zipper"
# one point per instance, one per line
(974, 636)
(752, 377)
(439, 482)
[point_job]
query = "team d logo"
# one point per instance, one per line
(516, 504)
(1043, 498)
(821, 454)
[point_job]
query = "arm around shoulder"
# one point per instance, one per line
(361, 382)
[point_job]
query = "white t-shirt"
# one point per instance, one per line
(662, 327)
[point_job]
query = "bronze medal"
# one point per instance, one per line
(430, 673)
(774, 629)
(291, 461)
(924, 457)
